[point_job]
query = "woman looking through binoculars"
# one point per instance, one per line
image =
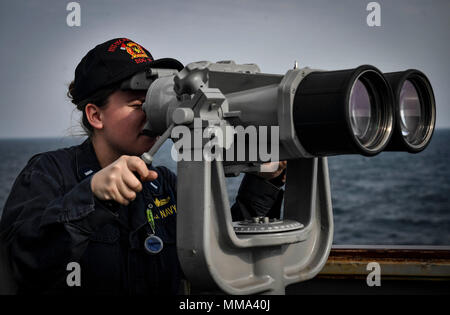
(98, 204)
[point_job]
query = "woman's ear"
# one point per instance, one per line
(93, 115)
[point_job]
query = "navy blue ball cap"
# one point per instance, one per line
(112, 62)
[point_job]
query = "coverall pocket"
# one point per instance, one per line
(103, 261)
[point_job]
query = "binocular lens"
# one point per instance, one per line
(360, 111)
(415, 111)
(344, 112)
(410, 111)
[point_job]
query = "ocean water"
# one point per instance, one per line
(394, 198)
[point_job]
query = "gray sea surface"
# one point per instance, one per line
(394, 198)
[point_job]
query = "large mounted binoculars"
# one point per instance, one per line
(312, 114)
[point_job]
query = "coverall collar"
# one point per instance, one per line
(86, 160)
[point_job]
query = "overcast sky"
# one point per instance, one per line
(39, 51)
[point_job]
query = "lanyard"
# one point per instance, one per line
(150, 219)
(152, 244)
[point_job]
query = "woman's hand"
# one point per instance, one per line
(117, 181)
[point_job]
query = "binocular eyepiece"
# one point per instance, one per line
(364, 111)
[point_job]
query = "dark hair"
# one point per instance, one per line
(99, 98)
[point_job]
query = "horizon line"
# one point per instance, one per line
(84, 136)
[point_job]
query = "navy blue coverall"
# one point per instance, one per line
(51, 218)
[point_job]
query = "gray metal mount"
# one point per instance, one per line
(263, 255)
(214, 255)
